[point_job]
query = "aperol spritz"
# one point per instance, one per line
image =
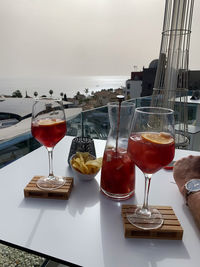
(49, 127)
(151, 146)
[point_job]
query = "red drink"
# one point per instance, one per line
(151, 151)
(49, 131)
(117, 174)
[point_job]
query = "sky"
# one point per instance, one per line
(47, 38)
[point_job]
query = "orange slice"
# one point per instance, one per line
(48, 121)
(158, 138)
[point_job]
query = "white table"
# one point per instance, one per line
(87, 229)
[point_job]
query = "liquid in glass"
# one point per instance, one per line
(151, 151)
(117, 174)
(49, 131)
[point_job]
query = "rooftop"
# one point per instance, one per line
(19, 106)
(23, 108)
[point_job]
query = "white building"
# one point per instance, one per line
(134, 86)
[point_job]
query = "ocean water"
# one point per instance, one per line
(68, 85)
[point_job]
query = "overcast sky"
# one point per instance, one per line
(83, 37)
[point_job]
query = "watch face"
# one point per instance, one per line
(193, 185)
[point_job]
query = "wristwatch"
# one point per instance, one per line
(192, 186)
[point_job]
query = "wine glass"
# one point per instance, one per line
(151, 146)
(48, 126)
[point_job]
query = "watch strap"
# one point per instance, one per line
(186, 196)
(188, 192)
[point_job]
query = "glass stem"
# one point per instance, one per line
(145, 206)
(50, 156)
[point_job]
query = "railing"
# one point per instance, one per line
(91, 123)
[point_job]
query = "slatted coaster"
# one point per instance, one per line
(31, 190)
(171, 228)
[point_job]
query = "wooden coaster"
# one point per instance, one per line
(31, 190)
(171, 228)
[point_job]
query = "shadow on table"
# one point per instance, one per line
(191, 221)
(42, 205)
(132, 252)
(85, 195)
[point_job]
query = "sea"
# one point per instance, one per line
(67, 85)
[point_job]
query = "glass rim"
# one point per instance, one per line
(145, 110)
(49, 98)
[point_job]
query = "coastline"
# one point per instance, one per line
(69, 85)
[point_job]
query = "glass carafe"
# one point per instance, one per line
(118, 170)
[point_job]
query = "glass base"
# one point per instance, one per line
(145, 219)
(53, 183)
(118, 196)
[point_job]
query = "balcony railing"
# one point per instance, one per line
(91, 123)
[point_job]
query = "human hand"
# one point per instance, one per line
(186, 169)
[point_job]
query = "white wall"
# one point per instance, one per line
(133, 88)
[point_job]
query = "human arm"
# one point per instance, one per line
(186, 169)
